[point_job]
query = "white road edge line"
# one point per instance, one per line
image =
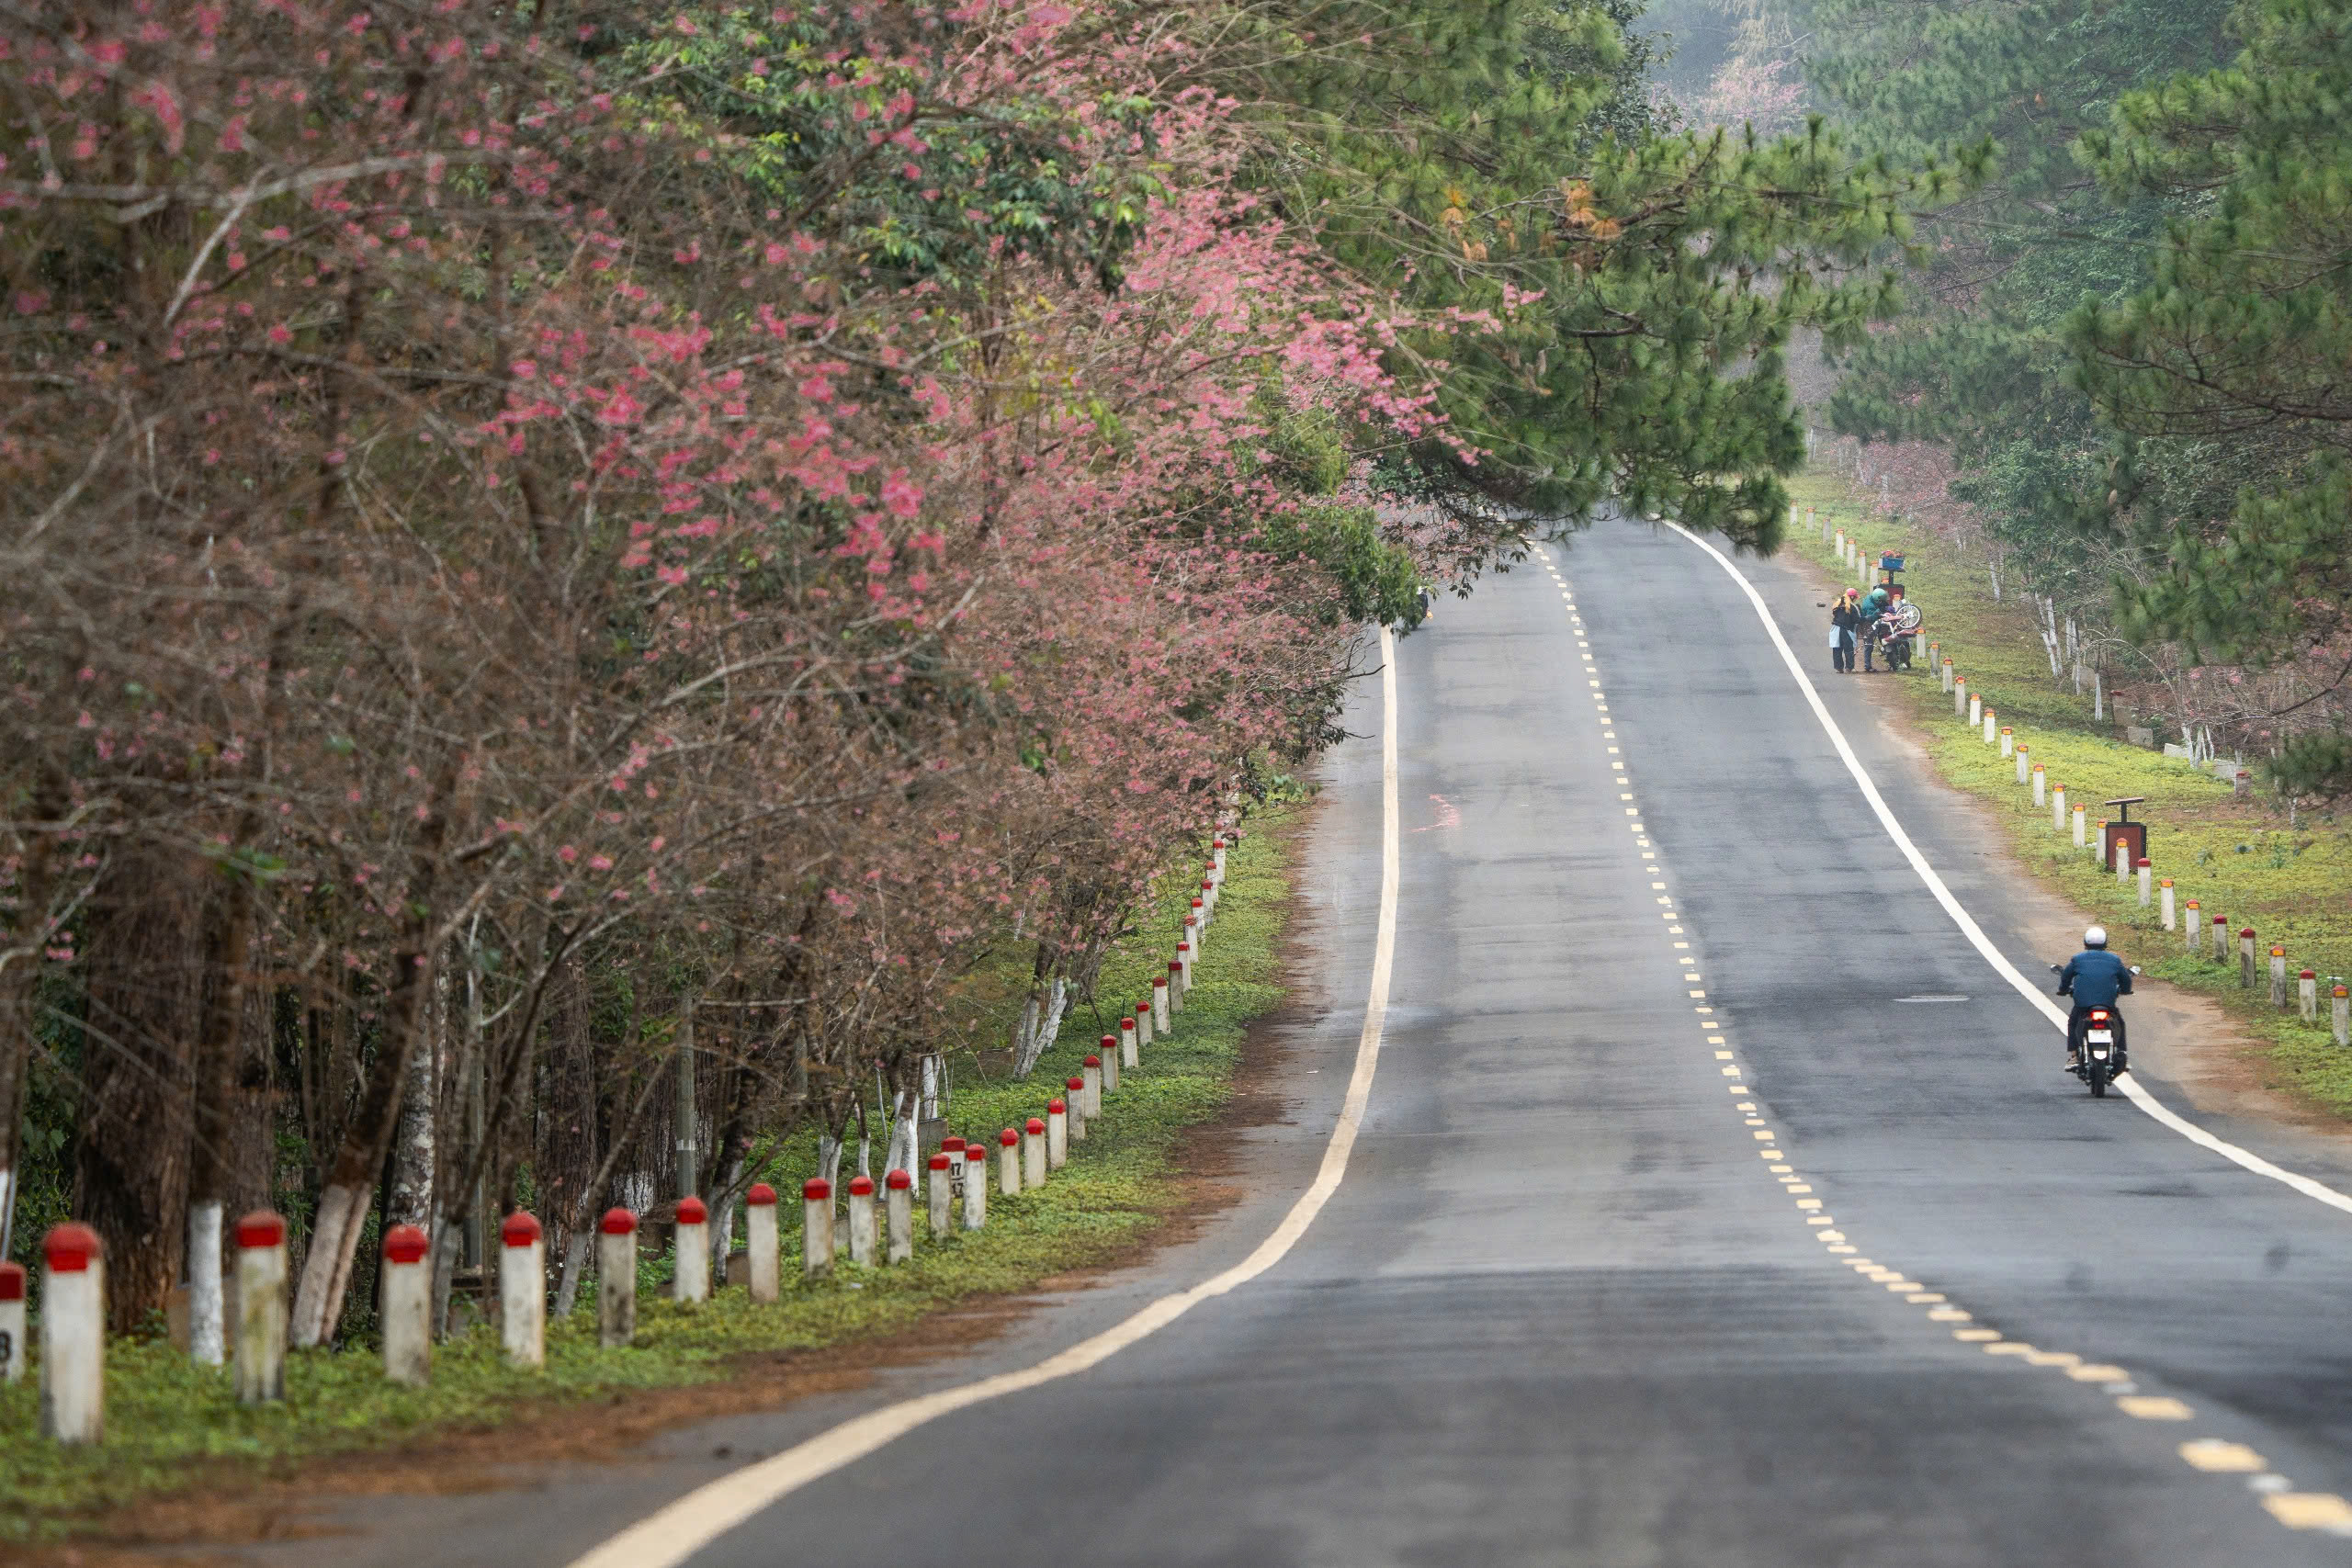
(1975, 933)
(684, 1527)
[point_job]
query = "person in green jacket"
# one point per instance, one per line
(1872, 606)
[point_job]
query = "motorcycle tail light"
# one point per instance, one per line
(2098, 1015)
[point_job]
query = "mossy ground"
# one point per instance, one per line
(2238, 857)
(165, 1416)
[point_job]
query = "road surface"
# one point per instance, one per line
(1715, 1201)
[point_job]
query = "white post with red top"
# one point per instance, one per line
(72, 1335)
(898, 1206)
(976, 1185)
(1075, 1099)
(258, 1368)
(1174, 989)
(943, 1195)
(1008, 1163)
(1196, 928)
(2307, 996)
(816, 1226)
(407, 1292)
(1134, 1034)
(522, 1289)
(1159, 1002)
(763, 1247)
(861, 1221)
(1090, 1084)
(1033, 1155)
(692, 1282)
(1184, 952)
(2147, 889)
(1216, 858)
(1056, 1133)
(1118, 1055)
(615, 1278)
(12, 1322)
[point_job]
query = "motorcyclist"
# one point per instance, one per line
(2094, 978)
(1872, 606)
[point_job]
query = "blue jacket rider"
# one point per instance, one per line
(2094, 978)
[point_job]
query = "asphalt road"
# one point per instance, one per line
(1593, 1289)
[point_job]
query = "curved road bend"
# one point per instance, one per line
(1813, 1277)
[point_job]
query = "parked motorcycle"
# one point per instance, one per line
(2099, 1054)
(1891, 633)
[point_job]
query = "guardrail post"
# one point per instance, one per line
(12, 1322)
(616, 1278)
(259, 1366)
(522, 1289)
(861, 1221)
(692, 1281)
(816, 1226)
(73, 1335)
(407, 1300)
(976, 1185)
(763, 1244)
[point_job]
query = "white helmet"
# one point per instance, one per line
(2095, 937)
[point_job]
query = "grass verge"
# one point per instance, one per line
(2238, 857)
(172, 1424)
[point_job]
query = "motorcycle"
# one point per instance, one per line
(1892, 632)
(2099, 1056)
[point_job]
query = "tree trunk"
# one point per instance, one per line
(20, 961)
(146, 995)
(342, 1201)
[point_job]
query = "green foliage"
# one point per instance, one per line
(172, 1424)
(2240, 337)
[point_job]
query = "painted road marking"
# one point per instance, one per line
(672, 1534)
(2212, 1454)
(2154, 1408)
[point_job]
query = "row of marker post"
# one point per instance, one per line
(2302, 993)
(72, 1321)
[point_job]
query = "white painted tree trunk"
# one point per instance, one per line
(576, 1262)
(326, 1269)
(207, 1331)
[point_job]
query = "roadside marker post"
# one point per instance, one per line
(1947, 676)
(816, 1226)
(1008, 1163)
(1033, 1155)
(861, 1221)
(2245, 958)
(12, 1322)
(2222, 941)
(976, 1185)
(763, 1247)
(941, 1194)
(2192, 925)
(617, 1279)
(1172, 990)
(522, 1289)
(2080, 839)
(1976, 711)
(2343, 999)
(900, 1204)
(1090, 1084)
(1117, 1055)
(2058, 809)
(407, 1324)
(1184, 951)
(2165, 902)
(2122, 857)
(1959, 695)
(1159, 1002)
(693, 1230)
(2279, 979)
(258, 1368)
(1135, 1033)
(2010, 748)
(2040, 784)
(2307, 996)
(74, 1334)
(2146, 871)
(1074, 1127)
(1056, 1135)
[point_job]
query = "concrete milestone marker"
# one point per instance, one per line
(943, 1196)
(900, 1204)
(861, 1221)
(1033, 1155)
(976, 1185)
(260, 1362)
(1008, 1163)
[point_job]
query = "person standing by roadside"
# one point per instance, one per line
(1844, 625)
